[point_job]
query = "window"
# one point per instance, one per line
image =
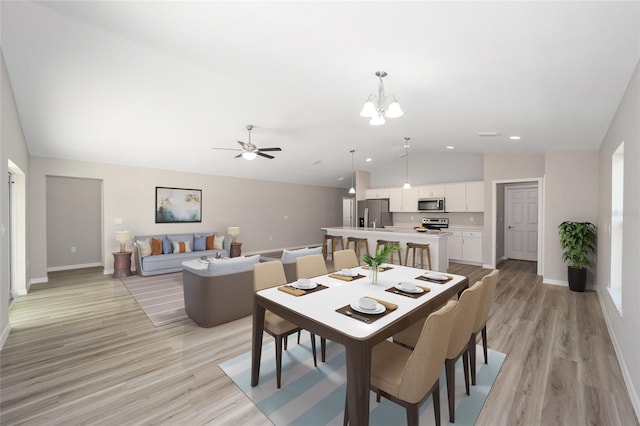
(617, 216)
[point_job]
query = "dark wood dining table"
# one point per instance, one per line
(322, 312)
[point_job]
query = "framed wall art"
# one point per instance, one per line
(178, 205)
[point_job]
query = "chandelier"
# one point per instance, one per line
(381, 106)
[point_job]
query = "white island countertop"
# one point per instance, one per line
(437, 241)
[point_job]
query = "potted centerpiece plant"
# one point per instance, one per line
(374, 262)
(578, 240)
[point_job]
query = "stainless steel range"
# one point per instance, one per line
(435, 224)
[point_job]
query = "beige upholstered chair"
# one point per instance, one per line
(310, 266)
(408, 377)
(267, 275)
(480, 325)
(458, 344)
(345, 259)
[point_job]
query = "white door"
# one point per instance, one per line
(348, 212)
(521, 212)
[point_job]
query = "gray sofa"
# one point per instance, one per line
(220, 293)
(168, 261)
(288, 260)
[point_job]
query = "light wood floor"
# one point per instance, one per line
(82, 352)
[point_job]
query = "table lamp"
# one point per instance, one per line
(234, 231)
(123, 237)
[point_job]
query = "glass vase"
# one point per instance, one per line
(373, 274)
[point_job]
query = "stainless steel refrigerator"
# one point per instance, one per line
(374, 210)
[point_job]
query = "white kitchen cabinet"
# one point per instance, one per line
(376, 193)
(403, 200)
(464, 197)
(465, 246)
(431, 191)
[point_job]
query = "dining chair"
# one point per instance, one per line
(458, 344)
(311, 266)
(408, 377)
(345, 259)
(267, 275)
(480, 325)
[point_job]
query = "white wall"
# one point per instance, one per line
(12, 148)
(623, 327)
(271, 215)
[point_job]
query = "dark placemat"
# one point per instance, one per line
(311, 290)
(345, 278)
(359, 316)
(423, 278)
(411, 295)
(383, 269)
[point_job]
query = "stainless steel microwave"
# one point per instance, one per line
(431, 205)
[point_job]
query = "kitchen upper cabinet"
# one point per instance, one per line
(376, 193)
(431, 191)
(464, 197)
(403, 200)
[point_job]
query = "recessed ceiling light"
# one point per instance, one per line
(368, 160)
(340, 178)
(451, 147)
(514, 138)
(488, 133)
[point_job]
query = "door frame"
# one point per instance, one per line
(507, 187)
(539, 181)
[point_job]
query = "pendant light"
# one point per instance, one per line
(406, 185)
(381, 106)
(352, 190)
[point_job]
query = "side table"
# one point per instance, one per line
(235, 249)
(121, 264)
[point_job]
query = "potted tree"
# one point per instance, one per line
(578, 240)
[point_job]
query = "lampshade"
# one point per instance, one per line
(123, 237)
(377, 120)
(234, 231)
(394, 110)
(368, 110)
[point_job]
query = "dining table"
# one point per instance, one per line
(331, 310)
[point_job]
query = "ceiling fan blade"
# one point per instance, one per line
(269, 149)
(238, 156)
(228, 149)
(245, 146)
(270, 157)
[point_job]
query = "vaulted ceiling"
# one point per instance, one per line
(158, 84)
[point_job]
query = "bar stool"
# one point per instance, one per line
(393, 243)
(325, 244)
(357, 242)
(422, 248)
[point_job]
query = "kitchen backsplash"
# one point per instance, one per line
(455, 219)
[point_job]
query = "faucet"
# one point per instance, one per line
(374, 225)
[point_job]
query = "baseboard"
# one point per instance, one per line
(107, 271)
(68, 267)
(633, 395)
(4, 335)
(554, 282)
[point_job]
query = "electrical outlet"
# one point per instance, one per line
(73, 249)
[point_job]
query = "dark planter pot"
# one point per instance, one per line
(577, 279)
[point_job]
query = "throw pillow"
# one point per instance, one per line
(219, 267)
(181, 246)
(156, 246)
(144, 247)
(218, 241)
(209, 244)
(166, 246)
(199, 243)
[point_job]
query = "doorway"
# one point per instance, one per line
(10, 237)
(521, 222)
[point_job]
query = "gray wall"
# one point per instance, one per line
(623, 327)
(12, 148)
(74, 219)
(271, 215)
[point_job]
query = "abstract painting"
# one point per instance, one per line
(177, 205)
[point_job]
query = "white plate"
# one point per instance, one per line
(436, 276)
(311, 287)
(378, 309)
(349, 274)
(417, 290)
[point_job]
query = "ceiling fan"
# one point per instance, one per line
(249, 151)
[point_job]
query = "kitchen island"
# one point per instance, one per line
(437, 241)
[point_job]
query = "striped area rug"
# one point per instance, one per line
(159, 296)
(315, 396)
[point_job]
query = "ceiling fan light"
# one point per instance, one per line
(368, 109)
(377, 120)
(394, 110)
(248, 155)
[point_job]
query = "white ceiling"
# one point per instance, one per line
(158, 84)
